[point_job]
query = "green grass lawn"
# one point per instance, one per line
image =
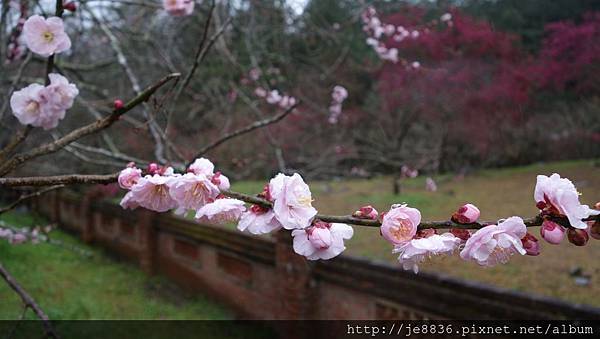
(499, 194)
(69, 285)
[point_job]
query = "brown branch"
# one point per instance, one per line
(94, 127)
(198, 53)
(29, 196)
(242, 131)
(345, 219)
(67, 179)
(19, 137)
(28, 302)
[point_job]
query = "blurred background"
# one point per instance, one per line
(483, 97)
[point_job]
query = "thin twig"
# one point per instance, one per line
(244, 130)
(29, 302)
(85, 130)
(28, 196)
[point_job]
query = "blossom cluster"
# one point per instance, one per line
(338, 95)
(496, 243)
(273, 96)
(20, 236)
(38, 105)
(44, 106)
(200, 190)
(287, 204)
(376, 31)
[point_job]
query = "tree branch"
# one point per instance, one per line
(29, 302)
(345, 219)
(85, 130)
(29, 196)
(242, 131)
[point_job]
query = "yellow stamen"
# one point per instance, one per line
(48, 36)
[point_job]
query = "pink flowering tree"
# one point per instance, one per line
(184, 181)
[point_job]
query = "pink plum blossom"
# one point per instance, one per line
(292, 201)
(466, 214)
(153, 193)
(129, 177)
(179, 7)
(41, 106)
(128, 202)
(339, 93)
(221, 211)
(45, 36)
(258, 220)
(322, 240)
(273, 97)
(260, 92)
(366, 212)
(558, 196)
(416, 251)
(191, 191)
(202, 166)
(60, 94)
(221, 181)
(399, 224)
(495, 244)
(552, 232)
(28, 105)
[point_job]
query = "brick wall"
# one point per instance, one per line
(262, 278)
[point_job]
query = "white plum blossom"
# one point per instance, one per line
(558, 196)
(292, 201)
(192, 191)
(415, 251)
(45, 36)
(495, 244)
(44, 106)
(151, 192)
(322, 240)
(221, 211)
(258, 220)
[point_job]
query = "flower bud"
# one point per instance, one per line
(319, 235)
(118, 104)
(466, 214)
(552, 232)
(595, 230)
(577, 237)
(366, 212)
(530, 244)
(460, 233)
(425, 233)
(153, 168)
(70, 6)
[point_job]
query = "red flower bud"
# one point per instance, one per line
(425, 233)
(70, 6)
(153, 168)
(577, 237)
(460, 233)
(530, 244)
(118, 104)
